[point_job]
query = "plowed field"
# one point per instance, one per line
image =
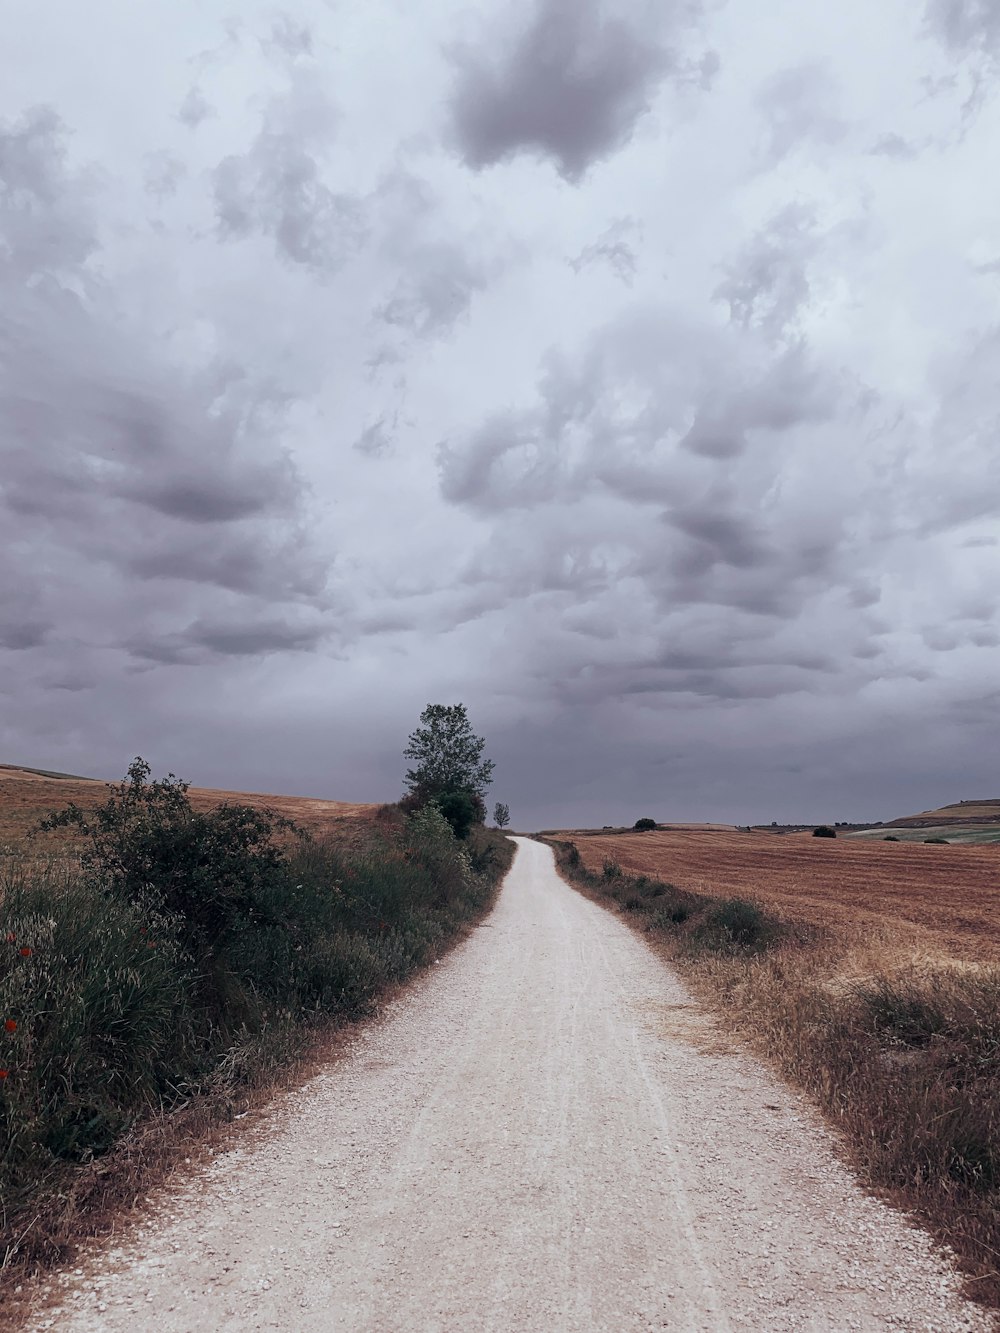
(942, 898)
(27, 797)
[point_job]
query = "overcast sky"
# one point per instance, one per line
(628, 371)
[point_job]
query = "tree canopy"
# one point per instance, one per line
(447, 755)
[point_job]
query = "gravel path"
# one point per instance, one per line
(543, 1134)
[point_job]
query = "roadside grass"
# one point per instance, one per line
(900, 1050)
(122, 1044)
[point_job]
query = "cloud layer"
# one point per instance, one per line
(626, 371)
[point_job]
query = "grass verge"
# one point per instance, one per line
(901, 1052)
(124, 1041)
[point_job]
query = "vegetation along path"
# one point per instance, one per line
(543, 1133)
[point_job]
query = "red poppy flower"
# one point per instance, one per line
(151, 944)
(142, 930)
(11, 937)
(25, 952)
(4, 1073)
(10, 1025)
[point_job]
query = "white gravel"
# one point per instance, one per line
(543, 1133)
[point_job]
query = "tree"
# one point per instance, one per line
(447, 755)
(644, 825)
(501, 815)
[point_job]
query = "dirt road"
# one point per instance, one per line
(544, 1134)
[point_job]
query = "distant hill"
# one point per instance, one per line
(966, 823)
(962, 812)
(19, 770)
(28, 794)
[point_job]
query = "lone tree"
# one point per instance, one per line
(449, 769)
(501, 814)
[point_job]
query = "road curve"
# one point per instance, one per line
(545, 1134)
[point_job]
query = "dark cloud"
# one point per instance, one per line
(134, 495)
(725, 538)
(204, 641)
(687, 388)
(19, 635)
(571, 86)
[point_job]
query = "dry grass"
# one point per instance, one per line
(26, 797)
(939, 900)
(880, 997)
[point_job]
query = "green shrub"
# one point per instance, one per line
(461, 809)
(611, 869)
(824, 831)
(122, 997)
(735, 926)
(890, 838)
(940, 842)
(644, 825)
(192, 875)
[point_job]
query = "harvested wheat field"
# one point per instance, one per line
(27, 796)
(933, 898)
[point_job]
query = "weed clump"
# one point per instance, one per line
(736, 926)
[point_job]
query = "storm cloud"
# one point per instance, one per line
(626, 371)
(572, 85)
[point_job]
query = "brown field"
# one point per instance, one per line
(936, 899)
(26, 797)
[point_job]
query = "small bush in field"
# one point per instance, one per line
(736, 925)
(824, 831)
(939, 842)
(890, 838)
(611, 869)
(644, 825)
